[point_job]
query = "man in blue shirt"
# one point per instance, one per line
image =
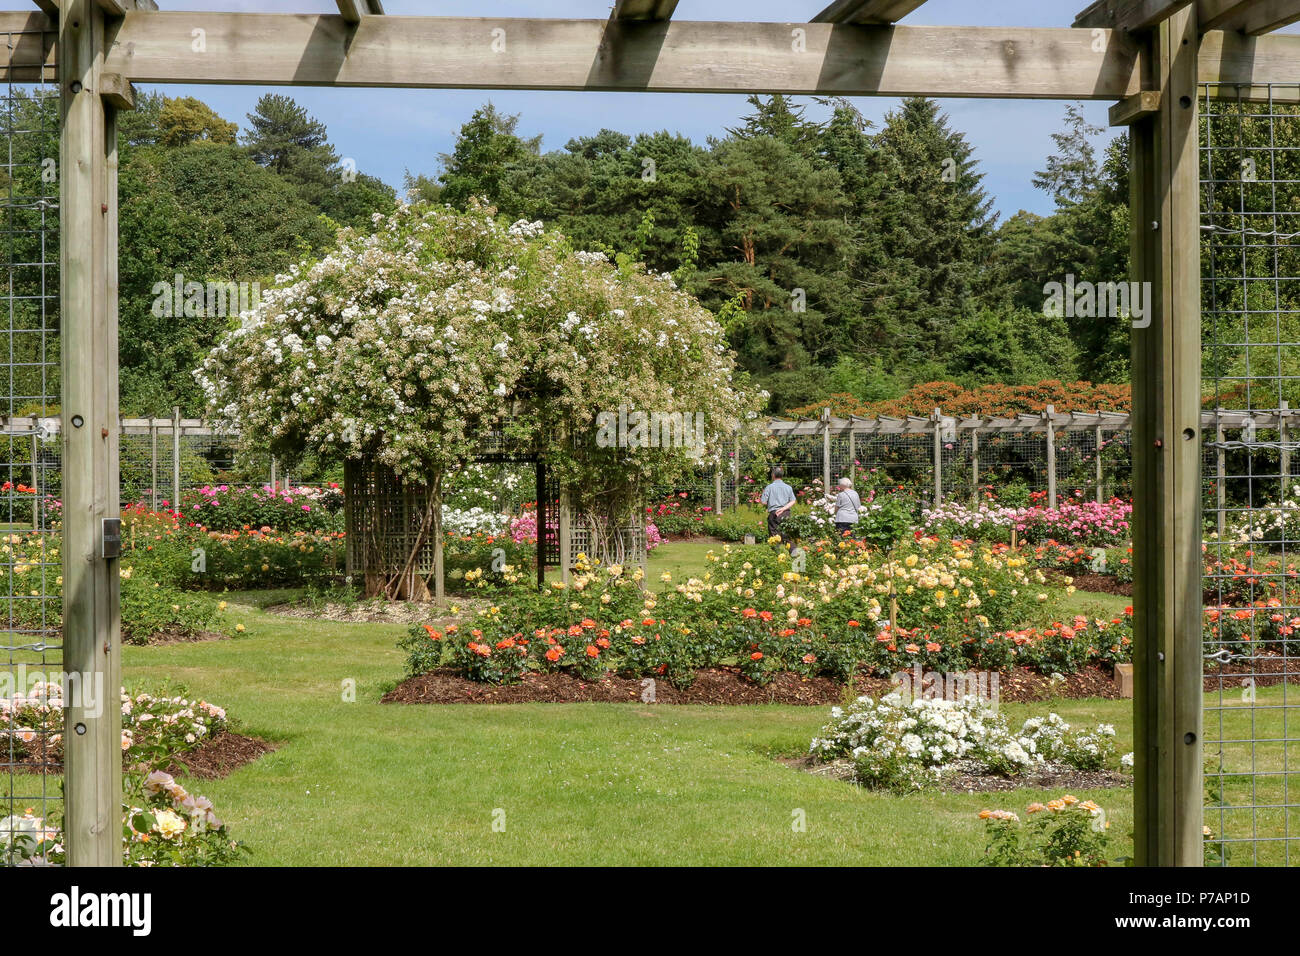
(779, 498)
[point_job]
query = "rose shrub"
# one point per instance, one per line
(902, 743)
(825, 610)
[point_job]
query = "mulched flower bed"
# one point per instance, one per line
(159, 638)
(721, 686)
(220, 756)
(1046, 777)
(1267, 670)
(375, 612)
(1102, 584)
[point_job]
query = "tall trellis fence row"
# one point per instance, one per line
(160, 459)
(1152, 60)
(31, 644)
(1250, 356)
(1085, 456)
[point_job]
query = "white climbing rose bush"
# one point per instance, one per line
(410, 344)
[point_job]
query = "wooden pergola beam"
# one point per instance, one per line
(1251, 17)
(1139, 106)
(120, 8)
(867, 11)
(679, 56)
(1128, 15)
(644, 9)
(30, 55)
(353, 10)
(676, 56)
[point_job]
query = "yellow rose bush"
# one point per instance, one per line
(829, 609)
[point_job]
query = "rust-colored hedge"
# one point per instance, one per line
(983, 400)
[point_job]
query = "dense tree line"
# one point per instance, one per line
(195, 202)
(841, 258)
(844, 258)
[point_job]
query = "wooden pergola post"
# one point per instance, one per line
(176, 459)
(1284, 439)
(826, 450)
(153, 463)
(1101, 470)
(1049, 429)
(564, 525)
(88, 289)
(937, 418)
(1220, 476)
(1167, 564)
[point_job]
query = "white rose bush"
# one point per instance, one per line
(411, 345)
(909, 743)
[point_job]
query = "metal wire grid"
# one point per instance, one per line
(1076, 464)
(901, 461)
(1010, 457)
(1250, 187)
(800, 457)
(1116, 464)
(957, 475)
(29, 565)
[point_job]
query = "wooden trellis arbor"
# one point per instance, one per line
(1148, 56)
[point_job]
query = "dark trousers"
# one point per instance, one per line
(843, 526)
(774, 522)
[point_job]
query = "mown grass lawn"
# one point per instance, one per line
(370, 783)
(359, 782)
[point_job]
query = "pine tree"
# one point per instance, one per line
(781, 118)
(1071, 172)
(485, 152)
(935, 225)
(283, 138)
(775, 237)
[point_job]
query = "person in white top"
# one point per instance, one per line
(848, 506)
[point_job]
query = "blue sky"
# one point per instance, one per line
(389, 131)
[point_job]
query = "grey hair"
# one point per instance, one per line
(846, 482)
(778, 473)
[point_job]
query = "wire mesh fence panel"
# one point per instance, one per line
(902, 462)
(31, 714)
(1077, 474)
(1013, 457)
(1116, 464)
(1250, 174)
(956, 460)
